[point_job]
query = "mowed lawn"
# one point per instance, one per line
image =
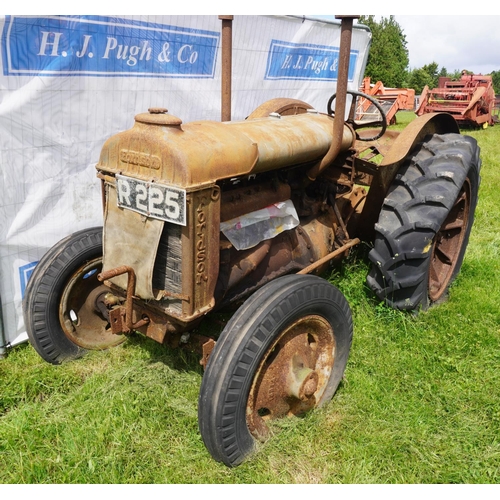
(419, 402)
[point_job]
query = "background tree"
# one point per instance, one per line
(496, 81)
(443, 72)
(388, 58)
(429, 75)
(426, 75)
(418, 79)
(432, 70)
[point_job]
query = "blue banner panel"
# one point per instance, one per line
(24, 275)
(303, 61)
(104, 46)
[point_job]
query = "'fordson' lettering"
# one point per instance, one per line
(140, 159)
(201, 246)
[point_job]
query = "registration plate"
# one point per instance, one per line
(151, 199)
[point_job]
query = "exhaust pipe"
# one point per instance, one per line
(227, 62)
(340, 104)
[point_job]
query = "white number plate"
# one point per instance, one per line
(153, 200)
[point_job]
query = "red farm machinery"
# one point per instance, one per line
(391, 100)
(470, 100)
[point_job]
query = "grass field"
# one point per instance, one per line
(419, 402)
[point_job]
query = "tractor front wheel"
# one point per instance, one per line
(283, 353)
(64, 305)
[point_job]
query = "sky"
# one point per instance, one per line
(455, 42)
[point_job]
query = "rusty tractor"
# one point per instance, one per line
(204, 215)
(470, 100)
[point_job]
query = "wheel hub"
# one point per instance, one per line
(82, 312)
(293, 374)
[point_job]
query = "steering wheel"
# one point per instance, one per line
(357, 112)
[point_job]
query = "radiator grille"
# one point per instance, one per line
(167, 274)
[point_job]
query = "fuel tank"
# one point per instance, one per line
(161, 148)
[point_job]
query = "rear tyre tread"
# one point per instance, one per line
(417, 204)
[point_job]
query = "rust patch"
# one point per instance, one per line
(207, 349)
(83, 314)
(292, 375)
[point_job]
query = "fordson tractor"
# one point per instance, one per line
(205, 215)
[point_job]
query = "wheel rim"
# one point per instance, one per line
(82, 320)
(448, 244)
(293, 374)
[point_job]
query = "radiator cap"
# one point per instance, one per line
(158, 116)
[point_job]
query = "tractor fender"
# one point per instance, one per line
(415, 132)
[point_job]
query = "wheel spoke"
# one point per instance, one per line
(453, 225)
(433, 275)
(461, 200)
(445, 255)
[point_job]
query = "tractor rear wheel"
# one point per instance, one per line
(425, 223)
(283, 353)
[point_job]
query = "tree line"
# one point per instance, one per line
(388, 59)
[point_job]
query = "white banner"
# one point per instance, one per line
(67, 83)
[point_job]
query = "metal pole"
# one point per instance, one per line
(3, 343)
(330, 256)
(227, 49)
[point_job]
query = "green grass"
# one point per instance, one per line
(419, 402)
